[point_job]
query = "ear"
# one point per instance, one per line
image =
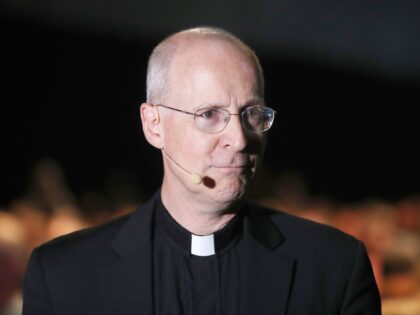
(150, 121)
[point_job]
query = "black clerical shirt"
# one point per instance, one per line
(185, 283)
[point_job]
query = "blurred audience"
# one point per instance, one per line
(390, 231)
(12, 261)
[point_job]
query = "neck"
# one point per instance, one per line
(196, 216)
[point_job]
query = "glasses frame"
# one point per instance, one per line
(194, 114)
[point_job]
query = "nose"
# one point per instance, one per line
(233, 136)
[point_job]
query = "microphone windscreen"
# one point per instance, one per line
(196, 179)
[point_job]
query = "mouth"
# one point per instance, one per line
(232, 166)
(237, 169)
(235, 165)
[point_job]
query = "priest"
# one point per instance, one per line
(199, 246)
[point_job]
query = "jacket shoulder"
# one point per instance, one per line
(85, 244)
(330, 265)
(306, 236)
(94, 243)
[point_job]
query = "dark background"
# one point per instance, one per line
(347, 102)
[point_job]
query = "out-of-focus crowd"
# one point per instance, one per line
(390, 231)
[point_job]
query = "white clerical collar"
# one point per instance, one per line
(202, 245)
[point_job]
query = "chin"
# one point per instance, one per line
(230, 192)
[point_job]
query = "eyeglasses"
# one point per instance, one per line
(255, 119)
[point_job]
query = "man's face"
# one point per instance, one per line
(211, 75)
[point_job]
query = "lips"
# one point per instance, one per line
(237, 162)
(234, 165)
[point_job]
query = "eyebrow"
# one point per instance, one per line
(253, 101)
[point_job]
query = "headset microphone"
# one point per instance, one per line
(194, 177)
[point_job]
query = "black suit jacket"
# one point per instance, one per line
(292, 266)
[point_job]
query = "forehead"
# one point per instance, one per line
(212, 70)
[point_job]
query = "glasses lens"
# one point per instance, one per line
(211, 120)
(257, 119)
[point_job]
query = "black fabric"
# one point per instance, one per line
(205, 285)
(189, 284)
(284, 265)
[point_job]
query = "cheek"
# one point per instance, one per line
(203, 152)
(200, 149)
(189, 145)
(175, 130)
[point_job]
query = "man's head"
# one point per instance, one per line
(164, 53)
(190, 74)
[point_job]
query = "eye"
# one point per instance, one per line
(254, 113)
(210, 114)
(211, 120)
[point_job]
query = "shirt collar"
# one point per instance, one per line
(216, 243)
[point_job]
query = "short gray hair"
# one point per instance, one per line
(163, 54)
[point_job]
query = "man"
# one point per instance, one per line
(198, 247)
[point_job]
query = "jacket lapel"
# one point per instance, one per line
(268, 274)
(127, 284)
